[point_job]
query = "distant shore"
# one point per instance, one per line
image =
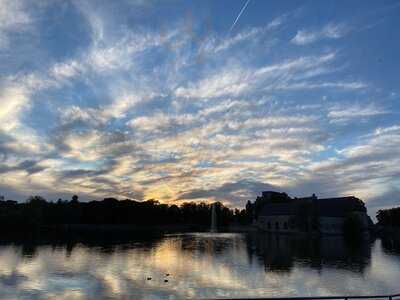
(388, 231)
(120, 229)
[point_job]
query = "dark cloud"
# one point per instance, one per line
(183, 175)
(5, 139)
(323, 185)
(29, 166)
(9, 147)
(123, 193)
(78, 173)
(235, 193)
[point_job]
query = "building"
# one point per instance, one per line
(310, 214)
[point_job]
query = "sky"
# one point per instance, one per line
(200, 100)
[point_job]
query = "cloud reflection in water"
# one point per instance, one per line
(201, 266)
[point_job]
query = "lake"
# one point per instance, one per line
(200, 265)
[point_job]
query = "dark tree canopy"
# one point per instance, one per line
(37, 211)
(389, 217)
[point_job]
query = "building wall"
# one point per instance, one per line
(286, 223)
(283, 223)
(331, 225)
(364, 218)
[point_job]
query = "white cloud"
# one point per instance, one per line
(367, 168)
(91, 116)
(242, 36)
(390, 129)
(66, 70)
(329, 31)
(229, 82)
(276, 22)
(350, 111)
(15, 97)
(160, 122)
(303, 37)
(323, 85)
(236, 80)
(113, 49)
(13, 18)
(13, 101)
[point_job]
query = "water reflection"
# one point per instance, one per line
(391, 244)
(281, 253)
(200, 265)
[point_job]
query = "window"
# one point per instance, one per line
(277, 225)
(292, 224)
(269, 225)
(285, 225)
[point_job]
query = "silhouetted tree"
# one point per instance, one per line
(36, 211)
(75, 199)
(389, 217)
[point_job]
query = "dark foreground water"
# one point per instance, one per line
(201, 265)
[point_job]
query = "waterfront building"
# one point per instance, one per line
(280, 213)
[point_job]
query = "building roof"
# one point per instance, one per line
(338, 207)
(277, 209)
(329, 207)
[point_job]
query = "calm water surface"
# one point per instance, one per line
(201, 265)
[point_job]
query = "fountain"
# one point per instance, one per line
(213, 217)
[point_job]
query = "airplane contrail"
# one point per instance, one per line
(240, 13)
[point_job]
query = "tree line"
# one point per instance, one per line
(37, 211)
(389, 217)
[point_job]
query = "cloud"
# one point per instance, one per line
(343, 113)
(213, 46)
(74, 114)
(121, 54)
(236, 80)
(65, 70)
(329, 31)
(14, 18)
(160, 122)
(14, 100)
(174, 113)
(276, 22)
(356, 85)
(29, 166)
(368, 168)
(232, 192)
